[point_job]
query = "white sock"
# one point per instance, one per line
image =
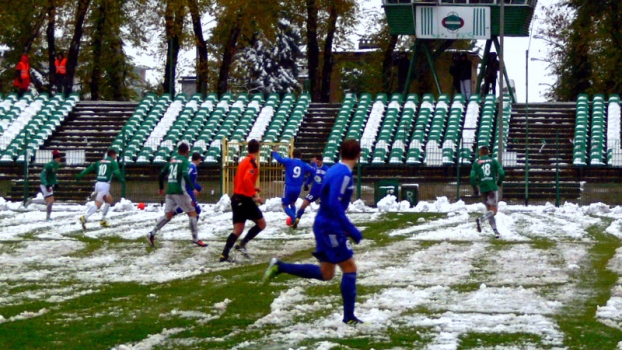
(193, 228)
(90, 212)
(105, 210)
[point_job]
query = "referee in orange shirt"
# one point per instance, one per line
(244, 203)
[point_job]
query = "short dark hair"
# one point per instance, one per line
(350, 149)
(111, 152)
(297, 153)
(253, 146)
(183, 148)
(319, 158)
(196, 156)
(484, 150)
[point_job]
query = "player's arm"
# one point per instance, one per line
(117, 172)
(192, 171)
(91, 168)
(473, 176)
(501, 173)
(162, 176)
(337, 189)
(186, 176)
(44, 177)
(278, 157)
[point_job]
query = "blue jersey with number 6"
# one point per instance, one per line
(295, 170)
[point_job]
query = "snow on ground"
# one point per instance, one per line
(466, 282)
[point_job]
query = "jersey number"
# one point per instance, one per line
(172, 173)
(486, 169)
(297, 172)
(102, 170)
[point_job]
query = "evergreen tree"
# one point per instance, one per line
(272, 66)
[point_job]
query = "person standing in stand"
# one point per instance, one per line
(22, 76)
(61, 72)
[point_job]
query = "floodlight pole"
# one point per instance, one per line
(527, 127)
(501, 68)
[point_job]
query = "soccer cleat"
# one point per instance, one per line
(497, 235)
(479, 225)
(28, 202)
(200, 243)
(271, 271)
(48, 219)
(353, 322)
(242, 250)
(83, 222)
(104, 223)
(151, 238)
(295, 224)
(226, 259)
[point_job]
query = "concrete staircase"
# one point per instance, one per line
(315, 128)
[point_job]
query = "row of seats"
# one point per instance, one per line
(404, 130)
(454, 128)
(339, 128)
(376, 117)
(469, 130)
(34, 126)
(226, 129)
(291, 127)
(597, 138)
(579, 153)
(433, 152)
(614, 148)
(11, 108)
(422, 126)
(507, 114)
(212, 118)
(388, 129)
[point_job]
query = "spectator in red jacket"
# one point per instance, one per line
(22, 75)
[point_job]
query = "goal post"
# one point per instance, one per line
(271, 178)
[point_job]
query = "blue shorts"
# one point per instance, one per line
(314, 194)
(290, 194)
(331, 247)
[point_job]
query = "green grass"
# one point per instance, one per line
(121, 313)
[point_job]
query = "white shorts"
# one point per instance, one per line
(183, 201)
(102, 189)
(45, 192)
(491, 198)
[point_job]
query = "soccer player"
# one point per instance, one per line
(244, 203)
(488, 174)
(193, 172)
(320, 170)
(106, 169)
(49, 183)
(176, 194)
(332, 229)
(295, 172)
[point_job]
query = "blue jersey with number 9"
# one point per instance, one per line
(295, 170)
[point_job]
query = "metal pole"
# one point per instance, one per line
(171, 79)
(123, 171)
(557, 200)
(358, 180)
(26, 179)
(458, 171)
(501, 68)
(527, 128)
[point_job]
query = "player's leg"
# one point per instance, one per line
(240, 214)
(41, 201)
(48, 207)
(324, 272)
(169, 208)
(184, 201)
(492, 206)
(254, 214)
(348, 291)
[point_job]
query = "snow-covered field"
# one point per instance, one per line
(439, 281)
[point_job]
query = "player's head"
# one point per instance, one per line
(297, 153)
(350, 149)
(111, 153)
(183, 149)
(57, 155)
(197, 157)
(253, 146)
(318, 161)
(483, 151)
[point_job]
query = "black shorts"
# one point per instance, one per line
(244, 208)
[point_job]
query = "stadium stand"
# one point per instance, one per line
(376, 117)
(433, 151)
(415, 147)
(509, 157)
(341, 124)
(469, 130)
(597, 131)
(234, 113)
(581, 132)
(404, 129)
(614, 149)
(138, 138)
(387, 130)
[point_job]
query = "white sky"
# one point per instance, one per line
(515, 48)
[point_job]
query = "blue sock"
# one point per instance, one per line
(348, 293)
(300, 270)
(299, 213)
(292, 208)
(288, 211)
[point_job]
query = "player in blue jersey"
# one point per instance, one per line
(193, 172)
(320, 171)
(295, 172)
(332, 229)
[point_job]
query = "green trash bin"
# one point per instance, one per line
(410, 193)
(386, 187)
